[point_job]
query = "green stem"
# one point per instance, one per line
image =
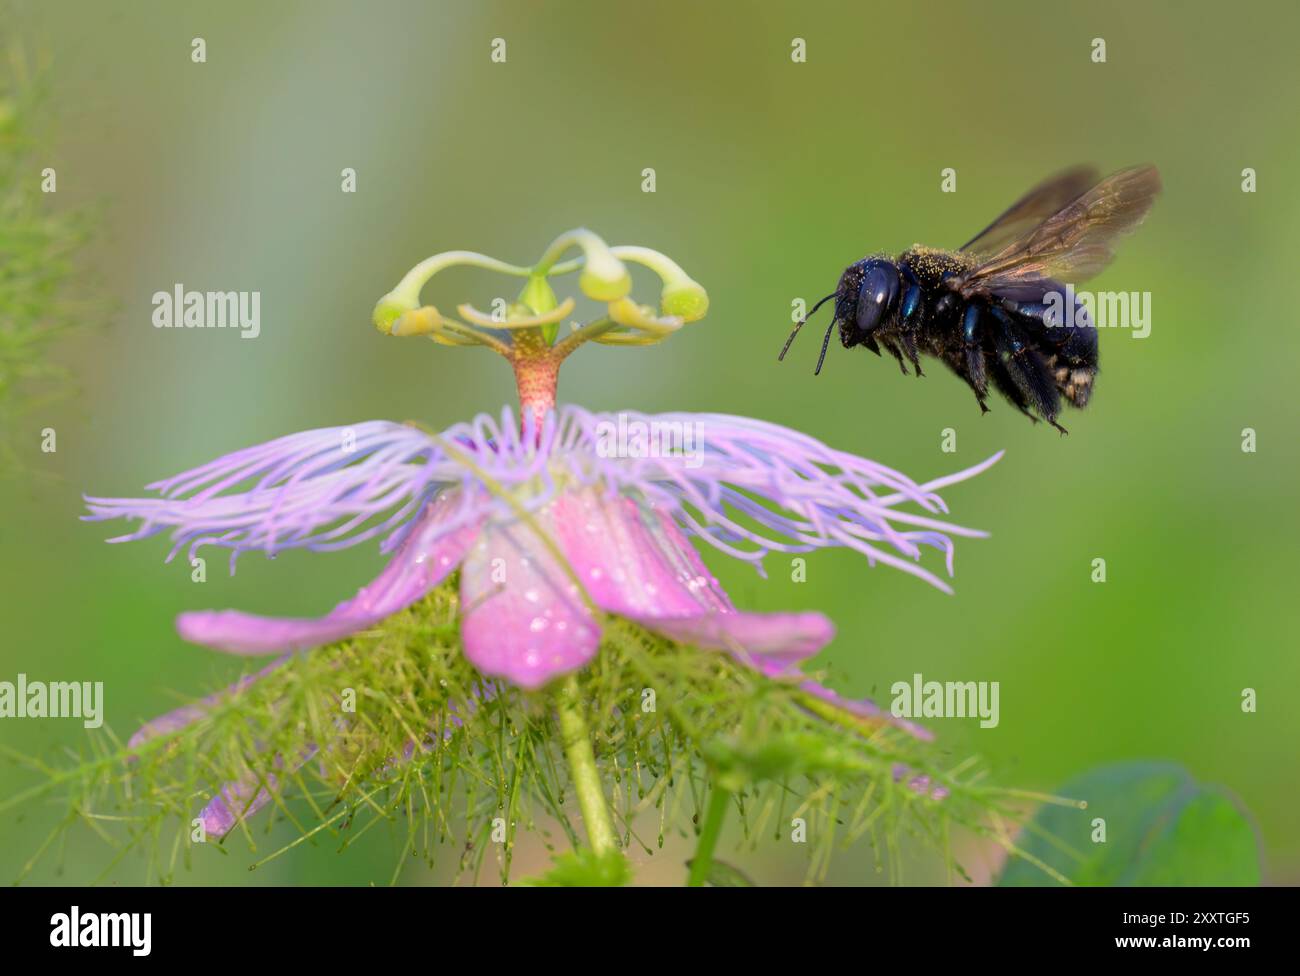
(719, 801)
(408, 289)
(578, 237)
(668, 270)
(588, 332)
(582, 767)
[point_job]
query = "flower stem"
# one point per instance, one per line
(582, 767)
(719, 801)
(573, 340)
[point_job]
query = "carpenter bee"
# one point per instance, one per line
(993, 309)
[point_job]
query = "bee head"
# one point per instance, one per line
(868, 291)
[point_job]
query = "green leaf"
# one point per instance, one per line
(584, 869)
(1161, 828)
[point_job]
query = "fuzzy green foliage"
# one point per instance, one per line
(584, 869)
(37, 248)
(458, 767)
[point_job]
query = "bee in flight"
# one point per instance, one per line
(993, 310)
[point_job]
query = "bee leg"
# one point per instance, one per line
(976, 375)
(955, 360)
(980, 395)
(981, 391)
(1027, 372)
(893, 349)
(1042, 385)
(972, 355)
(1005, 385)
(1026, 369)
(909, 347)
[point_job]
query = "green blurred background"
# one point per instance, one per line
(771, 176)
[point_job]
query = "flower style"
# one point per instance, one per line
(552, 529)
(527, 335)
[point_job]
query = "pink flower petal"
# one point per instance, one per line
(177, 719)
(632, 559)
(424, 560)
(773, 643)
(525, 620)
(867, 709)
(240, 800)
(218, 819)
(636, 562)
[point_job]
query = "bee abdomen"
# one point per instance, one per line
(1069, 348)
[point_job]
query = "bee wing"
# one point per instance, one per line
(1032, 209)
(1072, 244)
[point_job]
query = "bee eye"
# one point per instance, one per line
(877, 294)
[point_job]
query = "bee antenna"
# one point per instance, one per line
(800, 324)
(825, 342)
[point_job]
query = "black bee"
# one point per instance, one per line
(990, 309)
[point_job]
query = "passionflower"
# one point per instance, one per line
(547, 529)
(557, 521)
